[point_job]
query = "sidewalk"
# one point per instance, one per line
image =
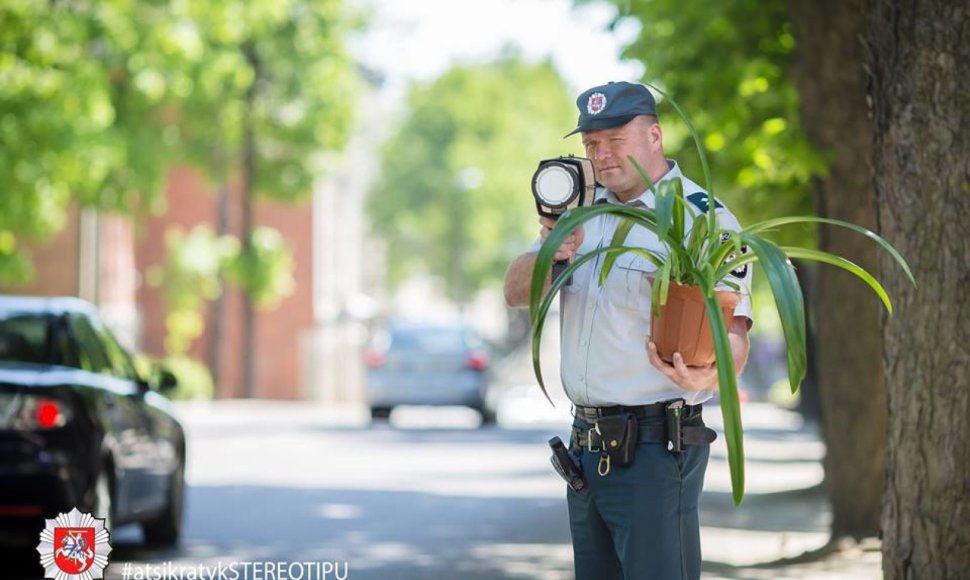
(785, 513)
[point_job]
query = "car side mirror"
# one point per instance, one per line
(166, 380)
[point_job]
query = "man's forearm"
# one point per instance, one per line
(518, 279)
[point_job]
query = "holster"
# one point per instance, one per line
(673, 415)
(616, 438)
(567, 465)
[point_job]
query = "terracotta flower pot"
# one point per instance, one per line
(681, 325)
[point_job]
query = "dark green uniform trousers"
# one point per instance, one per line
(639, 522)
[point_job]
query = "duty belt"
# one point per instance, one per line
(590, 440)
(676, 430)
(639, 411)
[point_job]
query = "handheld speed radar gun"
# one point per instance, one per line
(559, 185)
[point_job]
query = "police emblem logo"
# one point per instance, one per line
(596, 103)
(74, 545)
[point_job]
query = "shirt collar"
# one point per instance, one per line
(645, 199)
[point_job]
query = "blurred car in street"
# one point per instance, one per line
(430, 364)
(80, 428)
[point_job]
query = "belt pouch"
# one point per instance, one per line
(618, 436)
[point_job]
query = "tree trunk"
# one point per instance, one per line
(248, 176)
(919, 87)
(218, 305)
(848, 345)
(223, 207)
(809, 400)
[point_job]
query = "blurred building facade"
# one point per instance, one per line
(92, 257)
(101, 258)
(348, 263)
(193, 202)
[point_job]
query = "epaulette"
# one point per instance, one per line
(699, 199)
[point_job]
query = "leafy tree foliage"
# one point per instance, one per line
(729, 65)
(290, 55)
(272, 89)
(98, 100)
(82, 88)
(266, 271)
(188, 278)
(454, 197)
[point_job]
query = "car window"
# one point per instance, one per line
(24, 337)
(120, 363)
(65, 350)
(434, 339)
(91, 353)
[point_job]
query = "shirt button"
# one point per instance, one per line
(582, 342)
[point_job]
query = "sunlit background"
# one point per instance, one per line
(254, 193)
(379, 166)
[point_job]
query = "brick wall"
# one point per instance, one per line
(277, 359)
(55, 263)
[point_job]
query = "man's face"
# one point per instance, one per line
(609, 149)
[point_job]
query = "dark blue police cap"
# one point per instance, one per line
(612, 105)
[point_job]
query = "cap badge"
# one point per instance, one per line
(596, 103)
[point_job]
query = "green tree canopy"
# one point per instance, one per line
(289, 56)
(728, 64)
(82, 89)
(454, 198)
(99, 99)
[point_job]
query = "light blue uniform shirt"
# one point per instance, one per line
(605, 329)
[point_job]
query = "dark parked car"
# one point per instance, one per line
(428, 364)
(80, 428)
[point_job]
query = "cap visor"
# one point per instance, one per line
(601, 123)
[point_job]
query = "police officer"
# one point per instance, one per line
(638, 521)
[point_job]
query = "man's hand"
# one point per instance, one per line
(569, 247)
(685, 377)
(704, 378)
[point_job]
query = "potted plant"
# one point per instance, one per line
(697, 262)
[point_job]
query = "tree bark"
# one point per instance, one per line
(829, 74)
(248, 186)
(809, 400)
(919, 86)
(223, 210)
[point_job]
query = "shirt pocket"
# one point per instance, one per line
(629, 282)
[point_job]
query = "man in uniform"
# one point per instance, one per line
(638, 521)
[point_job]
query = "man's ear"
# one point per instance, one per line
(656, 136)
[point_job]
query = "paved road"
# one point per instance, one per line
(432, 495)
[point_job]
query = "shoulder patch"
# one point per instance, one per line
(699, 199)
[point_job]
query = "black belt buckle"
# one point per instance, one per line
(566, 466)
(674, 412)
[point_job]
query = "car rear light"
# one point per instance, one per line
(373, 359)
(48, 414)
(477, 360)
(23, 411)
